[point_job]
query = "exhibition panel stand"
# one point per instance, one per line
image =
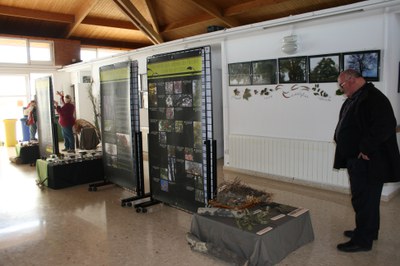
(47, 125)
(119, 123)
(182, 159)
(121, 136)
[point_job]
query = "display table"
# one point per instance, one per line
(283, 236)
(28, 153)
(58, 176)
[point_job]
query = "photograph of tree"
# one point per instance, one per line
(323, 68)
(264, 72)
(293, 70)
(365, 62)
(240, 73)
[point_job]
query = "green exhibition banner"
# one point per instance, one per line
(118, 93)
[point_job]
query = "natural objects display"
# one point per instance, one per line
(236, 195)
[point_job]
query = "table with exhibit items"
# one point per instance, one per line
(58, 173)
(27, 152)
(261, 236)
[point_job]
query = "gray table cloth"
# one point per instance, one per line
(287, 234)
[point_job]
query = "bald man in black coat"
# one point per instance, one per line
(366, 145)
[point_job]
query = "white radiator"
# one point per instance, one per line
(299, 160)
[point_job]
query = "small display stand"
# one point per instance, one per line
(279, 230)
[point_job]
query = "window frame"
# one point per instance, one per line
(29, 61)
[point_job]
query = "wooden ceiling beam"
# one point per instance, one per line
(35, 14)
(113, 23)
(138, 20)
(184, 23)
(153, 16)
(250, 5)
(212, 9)
(230, 11)
(101, 43)
(83, 11)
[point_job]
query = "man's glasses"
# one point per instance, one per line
(344, 82)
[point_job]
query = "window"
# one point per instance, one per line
(88, 54)
(13, 96)
(13, 51)
(101, 53)
(13, 85)
(40, 51)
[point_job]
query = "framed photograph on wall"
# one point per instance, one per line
(86, 79)
(264, 72)
(239, 74)
(365, 62)
(293, 69)
(323, 68)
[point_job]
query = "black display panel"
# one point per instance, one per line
(179, 125)
(120, 124)
(47, 124)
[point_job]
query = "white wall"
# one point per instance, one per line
(83, 105)
(303, 116)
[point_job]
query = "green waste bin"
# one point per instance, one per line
(59, 130)
(11, 137)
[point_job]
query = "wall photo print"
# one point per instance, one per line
(323, 68)
(293, 69)
(365, 62)
(264, 72)
(240, 74)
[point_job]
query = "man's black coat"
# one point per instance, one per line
(370, 128)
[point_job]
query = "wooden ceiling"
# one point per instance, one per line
(132, 24)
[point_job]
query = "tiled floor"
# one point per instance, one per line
(72, 226)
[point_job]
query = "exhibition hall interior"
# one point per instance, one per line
(190, 132)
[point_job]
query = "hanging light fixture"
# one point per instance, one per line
(289, 44)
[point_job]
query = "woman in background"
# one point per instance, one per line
(32, 120)
(66, 119)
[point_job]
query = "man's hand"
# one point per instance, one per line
(363, 156)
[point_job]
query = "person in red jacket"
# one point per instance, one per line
(66, 119)
(32, 120)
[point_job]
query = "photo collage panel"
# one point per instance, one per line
(175, 132)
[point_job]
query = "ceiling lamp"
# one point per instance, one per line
(289, 44)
